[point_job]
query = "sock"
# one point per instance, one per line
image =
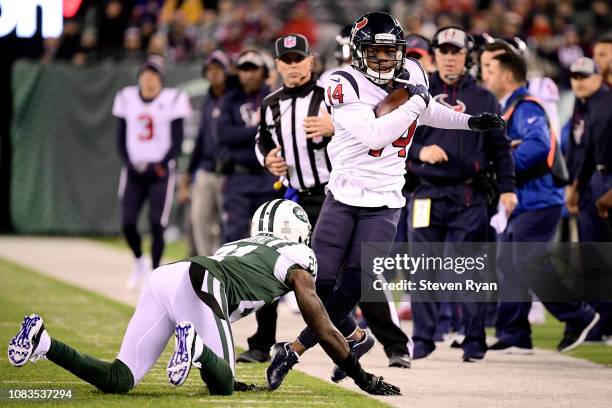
(133, 239)
(157, 244)
(44, 344)
(215, 372)
(115, 377)
(199, 348)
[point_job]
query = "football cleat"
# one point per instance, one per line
(181, 360)
(22, 347)
(399, 360)
(359, 348)
(283, 359)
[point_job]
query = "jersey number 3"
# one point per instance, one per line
(147, 127)
(402, 142)
(337, 94)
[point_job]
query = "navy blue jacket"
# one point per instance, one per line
(237, 127)
(206, 149)
(468, 151)
(576, 139)
(598, 149)
(529, 125)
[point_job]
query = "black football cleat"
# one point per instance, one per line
(283, 359)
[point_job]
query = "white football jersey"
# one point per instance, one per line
(368, 154)
(148, 123)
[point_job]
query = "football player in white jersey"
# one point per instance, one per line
(150, 136)
(368, 156)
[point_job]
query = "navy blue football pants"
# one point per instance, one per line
(337, 239)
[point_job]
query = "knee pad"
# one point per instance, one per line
(120, 379)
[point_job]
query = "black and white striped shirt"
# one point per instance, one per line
(281, 124)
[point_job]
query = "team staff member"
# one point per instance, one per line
(447, 164)
(150, 136)
(534, 219)
(593, 178)
(602, 54)
(295, 126)
(247, 185)
(206, 193)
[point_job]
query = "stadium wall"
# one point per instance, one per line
(65, 168)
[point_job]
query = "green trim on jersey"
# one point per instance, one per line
(254, 271)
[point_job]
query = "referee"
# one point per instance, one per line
(293, 134)
(295, 127)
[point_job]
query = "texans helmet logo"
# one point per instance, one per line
(361, 23)
(459, 106)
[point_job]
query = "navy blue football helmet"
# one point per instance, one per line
(377, 29)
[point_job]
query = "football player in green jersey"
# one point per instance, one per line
(197, 299)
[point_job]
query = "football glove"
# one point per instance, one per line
(419, 90)
(486, 121)
(376, 386)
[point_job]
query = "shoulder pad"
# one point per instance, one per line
(341, 87)
(416, 73)
(301, 256)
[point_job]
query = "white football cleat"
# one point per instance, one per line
(139, 273)
(22, 347)
(181, 360)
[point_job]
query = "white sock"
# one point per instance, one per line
(44, 344)
(199, 348)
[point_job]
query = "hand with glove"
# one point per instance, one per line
(376, 386)
(482, 122)
(421, 91)
(368, 382)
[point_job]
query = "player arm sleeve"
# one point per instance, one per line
(439, 116)
(196, 154)
(176, 133)
(376, 133)
(182, 107)
(264, 141)
(121, 142)
(498, 150)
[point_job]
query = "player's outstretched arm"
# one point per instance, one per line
(439, 116)
(330, 338)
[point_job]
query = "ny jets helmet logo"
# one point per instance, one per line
(300, 214)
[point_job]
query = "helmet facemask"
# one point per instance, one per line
(380, 71)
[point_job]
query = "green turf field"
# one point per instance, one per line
(548, 335)
(94, 324)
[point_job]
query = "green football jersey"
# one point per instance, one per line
(254, 271)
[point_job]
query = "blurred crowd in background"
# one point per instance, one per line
(557, 32)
